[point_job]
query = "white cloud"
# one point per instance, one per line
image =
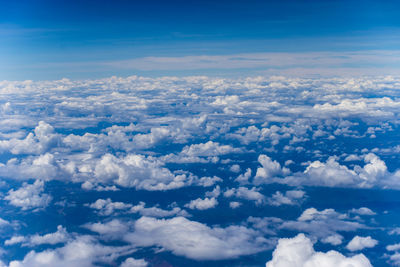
(137, 171)
(107, 207)
(245, 193)
(195, 240)
(321, 224)
(270, 168)
(333, 174)
(243, 179)
(363, 211)
(359, 243)
(335, 239)
(202, 204)
(235, 168)
(38, 142)
(82, 251)
(29, 196)
(299, 252)
(394, 247)
(114, 228)
(291, 197)
(60, 236)
(131, 262)
(234, 204)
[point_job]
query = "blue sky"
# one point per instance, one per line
(88, 39)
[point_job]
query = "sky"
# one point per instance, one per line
(209, 133)
(94, 39)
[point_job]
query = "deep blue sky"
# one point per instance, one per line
(79, 39)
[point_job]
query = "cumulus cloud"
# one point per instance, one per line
(107, 207)
(363, 211)
(359, 243)
(231, 135)
(299, 252)
(332, 174)
(82, 251)
(195, 240)
(60, 236)
(322, 224)
(270, 168)
(202, 204)
(245, 193)
(29, 196)
(335, 239)
(131, 262)
(290, 197)
(37, 142)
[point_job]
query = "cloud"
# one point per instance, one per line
(131, 262)
(60, 236)
(291, 197)
(121, 136)
(359, 243)
(38, 142)
(202, 204)
(107, 207)
(112, 229)
(268, 170)
(335, 239)
(332, 174)
(245, 193)
(363, 211)
(29, 196)
(203, 153)
(195, 240)
(322, 224)
(322, 63)
(299, 252)
(82, 251)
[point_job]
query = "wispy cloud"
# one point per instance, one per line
(306, 62)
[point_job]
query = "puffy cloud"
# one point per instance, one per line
(394, 247)
(136, 171)
(195, 240)
(244, 178)
(131, 262)
(245, 193)
(201, 153)
(202, 204)
(333, 174)
(359, 243)
(299, 252)
(138, 133)
(14, 240)
(335, 239)
(270, 168)
(322, 224)
(234, 204)
(42, 167)
(291, 197)
(29, 196)
(235, 168)
(158, 212)
(114, 228)
(38, 142)
(82, 251)
(106, 207)
(363, 211)
(60, 236)
(208, 149)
